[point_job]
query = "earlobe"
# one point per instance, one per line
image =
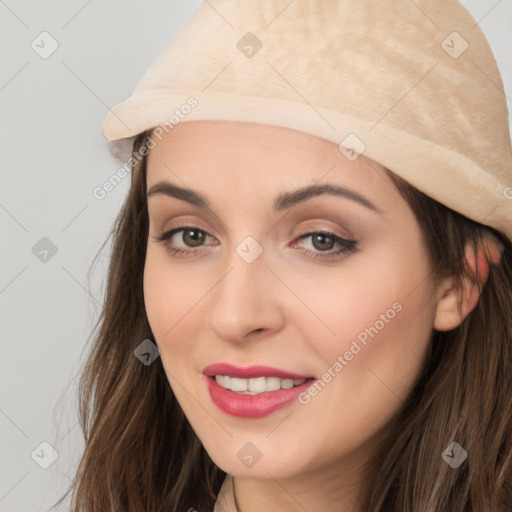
(455, 304)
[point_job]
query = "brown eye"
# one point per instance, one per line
(193, 237)
(184, 240)
(322, 241)
(326, 242)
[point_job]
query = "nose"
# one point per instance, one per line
(247, 301)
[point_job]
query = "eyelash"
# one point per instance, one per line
(346, 246)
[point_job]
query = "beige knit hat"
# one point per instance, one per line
(412, 84)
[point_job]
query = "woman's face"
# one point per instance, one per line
(261, 281)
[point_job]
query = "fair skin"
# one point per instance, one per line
(288, 309)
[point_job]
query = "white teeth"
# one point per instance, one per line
(223, 381)
(256, 385)
(238, 384)
(273, 383)
(287, 383)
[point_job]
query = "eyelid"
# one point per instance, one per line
(169, 233)
(162, 214)
(188, 223)
(320, 227)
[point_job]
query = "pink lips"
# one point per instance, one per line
(247, 405)
(249, 372)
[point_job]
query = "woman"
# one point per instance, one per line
(309, 297)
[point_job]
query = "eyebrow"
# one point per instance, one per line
(283, 201)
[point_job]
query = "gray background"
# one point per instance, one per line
(53, 156)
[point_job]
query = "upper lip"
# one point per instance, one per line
(248, 372)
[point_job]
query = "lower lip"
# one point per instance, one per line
(253, 406)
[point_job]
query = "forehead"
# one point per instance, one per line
(241, 140)
(237, 156)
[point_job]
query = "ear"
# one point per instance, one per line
(454, 304)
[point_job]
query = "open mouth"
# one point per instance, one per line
(257, 385)
(254, 397)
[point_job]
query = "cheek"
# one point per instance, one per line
(382, 330)
(382, 298)
(158, 295)
(169, 294)
(380, 309)
(170, 303)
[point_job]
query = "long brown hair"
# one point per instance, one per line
(142, 455)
